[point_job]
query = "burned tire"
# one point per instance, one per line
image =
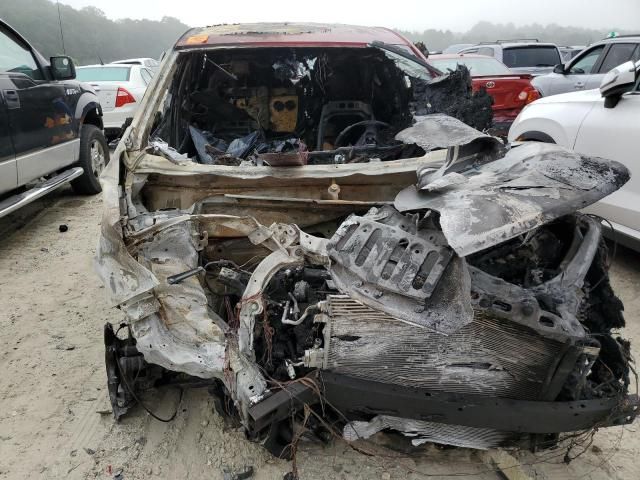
(94, 156)
(279, 440)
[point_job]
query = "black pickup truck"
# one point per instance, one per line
(50, 125)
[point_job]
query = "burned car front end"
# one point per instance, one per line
(304, 230)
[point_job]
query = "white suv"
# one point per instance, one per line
(521, 56)
(603, 123)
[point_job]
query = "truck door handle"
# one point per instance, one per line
(12, 98)
(579, 85)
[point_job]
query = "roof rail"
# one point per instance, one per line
(626, 35)
(518, 40)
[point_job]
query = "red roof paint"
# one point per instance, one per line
(291, 35)
(457, 55)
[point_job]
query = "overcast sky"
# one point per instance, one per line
(457, 15)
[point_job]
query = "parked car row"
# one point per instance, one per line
(573, 69)
(521, 56)
(559, 69)
(120, 87)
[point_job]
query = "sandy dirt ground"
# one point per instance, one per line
(55, 419)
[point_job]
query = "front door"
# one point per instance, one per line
(42, 123)
(579, 73)
(8, 170)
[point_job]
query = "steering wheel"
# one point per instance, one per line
(370, 135)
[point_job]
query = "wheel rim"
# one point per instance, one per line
(97, 157)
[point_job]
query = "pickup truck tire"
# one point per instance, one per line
(94, 156)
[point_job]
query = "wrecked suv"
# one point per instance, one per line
(301, 218)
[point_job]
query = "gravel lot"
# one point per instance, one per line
(55, 419)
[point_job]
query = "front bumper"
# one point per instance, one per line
(359, 398)
(114, 119)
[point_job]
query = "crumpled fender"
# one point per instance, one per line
(531, 185)
(124, 278)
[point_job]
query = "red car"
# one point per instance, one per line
(510, 91)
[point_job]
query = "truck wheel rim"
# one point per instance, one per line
(97, 157)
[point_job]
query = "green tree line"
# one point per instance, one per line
(488, 32)
(89, 36)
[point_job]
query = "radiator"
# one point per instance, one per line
(489, 356)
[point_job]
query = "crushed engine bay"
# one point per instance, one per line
(304, 235)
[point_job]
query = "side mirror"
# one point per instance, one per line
(559, 68)
(618, 81)
(62, 68)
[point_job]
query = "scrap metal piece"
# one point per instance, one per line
(422, 432)
(159, 147)
(532, 185)
(386, 262)
(466, 148)
(393, 257)
(438, 130)
(291, 398)
(181, 333)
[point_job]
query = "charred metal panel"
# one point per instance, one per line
(442, 131)
(184, 335)
(452, 95)
(391, 256)
(530, 186)
(401, 268)
(505, 300)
